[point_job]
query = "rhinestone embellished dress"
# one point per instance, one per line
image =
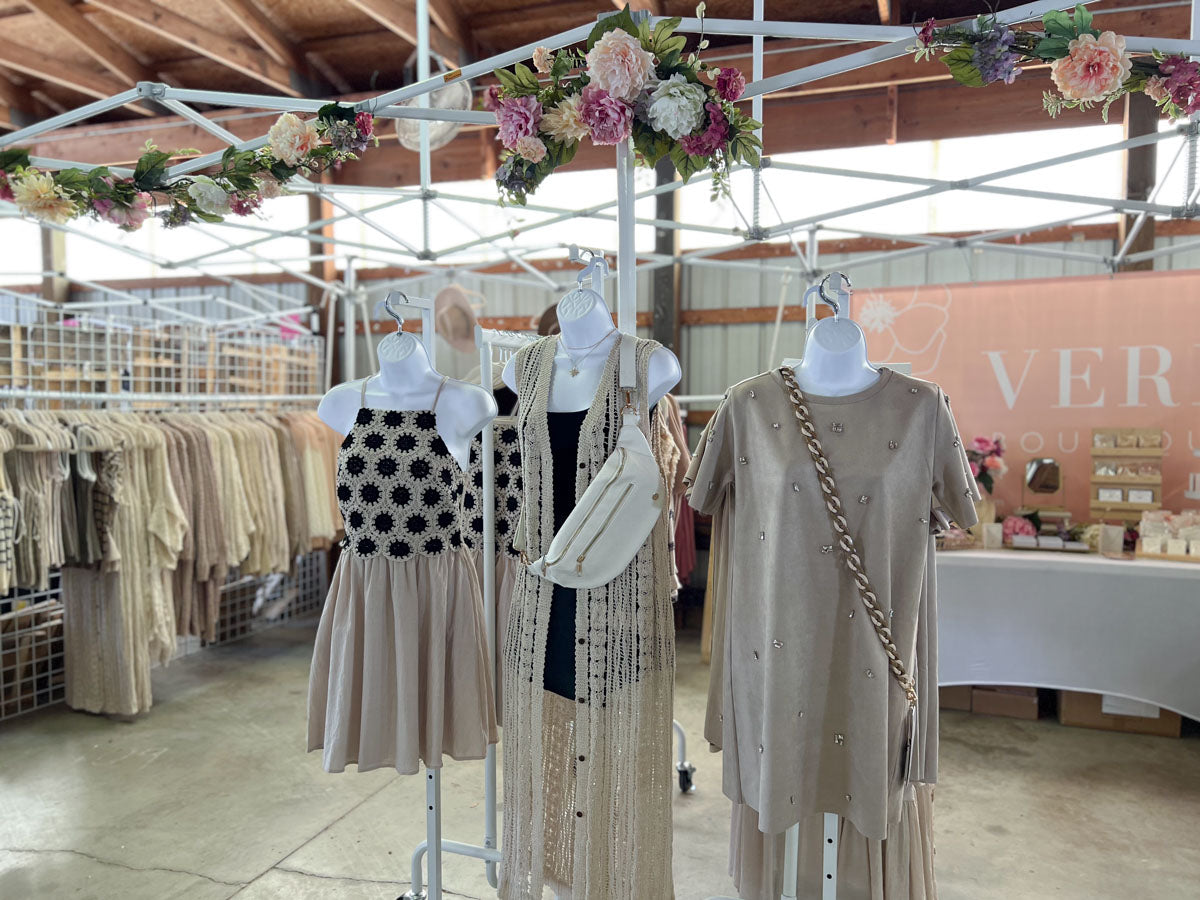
(801, 700)
(399, 673)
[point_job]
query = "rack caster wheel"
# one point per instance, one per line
(686, 771)
(410, 895)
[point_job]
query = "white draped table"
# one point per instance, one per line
(1073, 622)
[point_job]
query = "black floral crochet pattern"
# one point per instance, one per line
(507, 459)
(398, 487)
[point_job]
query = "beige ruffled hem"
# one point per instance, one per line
(898, 868)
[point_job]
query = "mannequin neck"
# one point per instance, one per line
(404, 365)
(835, 360)
(583, 331)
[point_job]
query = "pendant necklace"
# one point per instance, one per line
(575, 364)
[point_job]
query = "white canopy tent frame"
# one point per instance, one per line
(891, 42)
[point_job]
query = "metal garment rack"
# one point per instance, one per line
(493, 345)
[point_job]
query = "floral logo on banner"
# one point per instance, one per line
(633, 82)
(912, 332)
(1087, 66)
(238, 186)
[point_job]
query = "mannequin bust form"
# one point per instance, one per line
(407, 381)
(585, 342)
(835, 352)
(835, 360)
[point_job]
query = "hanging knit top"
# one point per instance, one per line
(398, 487)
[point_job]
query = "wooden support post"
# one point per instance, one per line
(664, 297)
(54, 259)
(1141, 117)
(325, 269)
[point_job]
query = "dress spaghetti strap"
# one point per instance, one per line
(362, 395)
(438, 395)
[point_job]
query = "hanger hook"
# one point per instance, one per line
(387, 304)
(833, 302)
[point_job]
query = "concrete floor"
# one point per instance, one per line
(212, 796)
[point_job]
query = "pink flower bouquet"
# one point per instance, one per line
(1087, 66)
(985, 457)
(633, 81)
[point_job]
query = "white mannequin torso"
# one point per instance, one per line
(835, 360)
(584, 345)
(406, 381)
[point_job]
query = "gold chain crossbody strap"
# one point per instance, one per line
(837, 518)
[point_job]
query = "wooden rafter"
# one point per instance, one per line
(264, 32)
(174, 27)
(400, 18)
(39, 65)
(887, 10)
(447, 20)
(110, 54)
(21, 107)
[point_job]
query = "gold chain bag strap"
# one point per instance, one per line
(854, 563)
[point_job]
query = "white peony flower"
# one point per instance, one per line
(209, 196)
(292, 138)
(676, 107)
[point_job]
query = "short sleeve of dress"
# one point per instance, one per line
(954, 488)
(711, 471)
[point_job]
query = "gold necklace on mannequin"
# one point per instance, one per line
(575, 364)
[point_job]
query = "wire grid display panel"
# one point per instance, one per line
(252, 603)
(62, 362)
(32, 667)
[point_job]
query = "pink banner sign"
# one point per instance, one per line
(1043, 362)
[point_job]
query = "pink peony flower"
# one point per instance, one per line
(1156, 88)
(618, 64)
(530, 148)
(974, 468)
(365, 123)
(712, 138)
(730, 84)
(609, 119)
(128, 218)
(491, 98)
(983, 445)
(5, 188)
(1017, 525)
(518, 118)
(543, 60)
(1093, 67)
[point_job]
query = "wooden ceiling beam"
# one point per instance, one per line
(400, 18)
(447, 20)
(174, 27)
(654, 7)
(264, 32)
(47, 68)
(23, 108)
(94, 42)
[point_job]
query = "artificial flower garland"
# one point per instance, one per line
(1087, 66)
(238, 187)
(635, 83)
